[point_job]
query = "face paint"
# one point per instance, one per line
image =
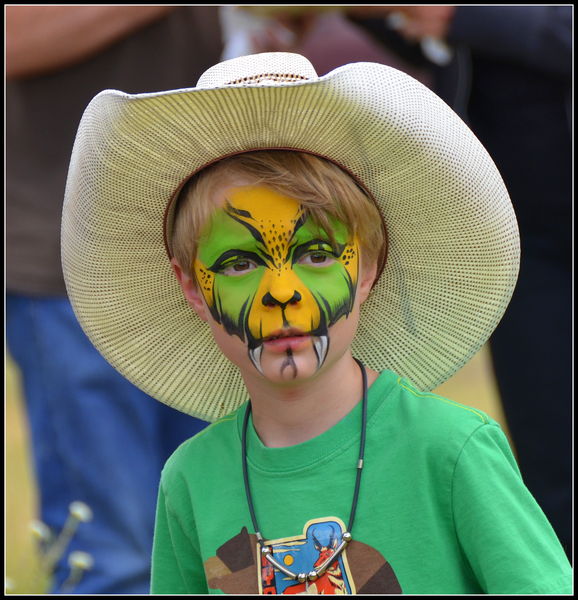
(270, 276)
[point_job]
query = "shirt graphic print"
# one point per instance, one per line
(360, 569)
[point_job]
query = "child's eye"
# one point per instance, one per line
(239, 267)
(316, 258)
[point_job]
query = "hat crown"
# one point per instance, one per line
(267, 68)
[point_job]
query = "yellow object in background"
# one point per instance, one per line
(22, 560)
(475, 385)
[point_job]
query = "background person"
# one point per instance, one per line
(94, 436)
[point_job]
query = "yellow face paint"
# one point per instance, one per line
(265, 269)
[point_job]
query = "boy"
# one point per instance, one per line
(314, 225)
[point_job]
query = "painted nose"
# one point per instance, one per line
(270, 300)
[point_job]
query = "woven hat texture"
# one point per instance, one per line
(453, 240)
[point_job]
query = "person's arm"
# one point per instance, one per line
(41, 39)
(509, 544)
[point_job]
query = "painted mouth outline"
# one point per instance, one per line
(320, 345)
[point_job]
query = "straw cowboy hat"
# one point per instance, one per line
(453, 241)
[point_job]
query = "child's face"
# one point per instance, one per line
(274, 286)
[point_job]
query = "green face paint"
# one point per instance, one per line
(264, 268)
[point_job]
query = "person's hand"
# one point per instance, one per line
(412, 22)
(426, 25)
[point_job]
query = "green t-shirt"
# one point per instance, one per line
(442, 507)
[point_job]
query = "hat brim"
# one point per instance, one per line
(453, 241)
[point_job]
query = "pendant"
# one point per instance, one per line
(312, 562)
(315, 573)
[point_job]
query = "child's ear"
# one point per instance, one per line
(368, 274)
(190, 290)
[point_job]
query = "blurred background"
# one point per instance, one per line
(506, 70)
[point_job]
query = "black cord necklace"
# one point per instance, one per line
(346, 537)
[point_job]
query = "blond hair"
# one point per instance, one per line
(324, 190)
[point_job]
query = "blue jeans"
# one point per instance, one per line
(95, 438)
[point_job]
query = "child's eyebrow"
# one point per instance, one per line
(237, 253)
(298, 250)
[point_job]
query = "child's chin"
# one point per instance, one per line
(289, 368)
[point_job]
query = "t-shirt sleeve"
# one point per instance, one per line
(510, 545)
(176, 563)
